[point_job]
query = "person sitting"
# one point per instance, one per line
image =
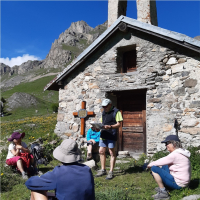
(70, 181)
(176, 169)
(15, 151)
(93, 136)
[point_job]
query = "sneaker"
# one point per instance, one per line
(101, 173)
(110, 176)
(161, 195)
(157, 189)
(24, 176)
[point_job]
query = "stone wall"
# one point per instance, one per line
(167, 71)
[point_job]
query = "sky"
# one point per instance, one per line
(28, 28)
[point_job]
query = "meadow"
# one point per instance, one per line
(131, 181)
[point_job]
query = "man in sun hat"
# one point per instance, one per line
(70, 181)
(111, 119)
(15, 149)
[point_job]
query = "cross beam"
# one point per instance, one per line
(83, 108)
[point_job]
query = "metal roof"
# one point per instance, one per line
(175, 37)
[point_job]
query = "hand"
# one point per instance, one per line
(19, 147)
(107, 127)
(93, 141)
(148, 166)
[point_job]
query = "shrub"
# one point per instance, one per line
(54, 107)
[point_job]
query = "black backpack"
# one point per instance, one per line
(37, 151)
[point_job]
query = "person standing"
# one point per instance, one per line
(111, 119)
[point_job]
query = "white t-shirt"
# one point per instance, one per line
(11, 147)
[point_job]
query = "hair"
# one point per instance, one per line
(176, 144)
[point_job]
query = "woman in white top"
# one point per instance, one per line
(15, 149)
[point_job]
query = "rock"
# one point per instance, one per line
(180, 92)
(194, 104)
(167, 127)
(122, 161)
(190, 130)
(172, 61)
(182, 60)
(20, 99)
(190, 83)
(192, 197)
(189, 122)
(75, 127)
(91, 164)
(123, 153)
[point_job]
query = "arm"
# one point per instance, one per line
(15, 153)
(24, 149)
(162, 161)
(88, 135)
(45, 182)
(114, 126)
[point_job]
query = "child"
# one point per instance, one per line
(92, 137)
(14, 153)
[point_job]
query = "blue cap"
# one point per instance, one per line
(171, 137)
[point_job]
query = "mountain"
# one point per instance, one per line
(63, 50)
(197, 37)
(31, 77)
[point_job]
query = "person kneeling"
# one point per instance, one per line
(176, 169)
(70, 181)
(93, 136)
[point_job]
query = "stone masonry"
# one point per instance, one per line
(169, 73)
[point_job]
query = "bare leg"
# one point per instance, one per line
(39, 195)
(20, 165)
(112, 159)
(158, 180)
(102, 151)
(89, 148)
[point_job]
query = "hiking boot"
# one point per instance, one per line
(101, 173)
(161, 195)
(110, 175)
(89, 157)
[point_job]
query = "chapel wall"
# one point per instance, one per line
(167, 71)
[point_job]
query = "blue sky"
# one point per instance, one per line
(28, 28)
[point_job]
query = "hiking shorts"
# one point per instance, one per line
(167, 178)
(13, 161)
(107, 143)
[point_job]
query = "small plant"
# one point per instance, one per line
(54, 107)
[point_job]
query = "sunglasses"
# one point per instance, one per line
(167, 143)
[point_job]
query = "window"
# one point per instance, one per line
(129, 61)
(126, 59)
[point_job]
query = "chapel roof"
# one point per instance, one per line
(172, 36)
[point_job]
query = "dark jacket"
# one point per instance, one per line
(70, 182)
(109, 119)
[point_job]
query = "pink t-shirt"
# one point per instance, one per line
(179, 166)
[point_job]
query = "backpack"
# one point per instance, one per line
(37, 151)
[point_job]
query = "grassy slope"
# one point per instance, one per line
(34, 88)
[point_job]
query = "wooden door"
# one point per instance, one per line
(132, 133)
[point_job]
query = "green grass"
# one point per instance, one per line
(130, 181)
(35, 88)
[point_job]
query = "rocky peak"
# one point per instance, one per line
(197, 37)
(80, 27)
(4, 69)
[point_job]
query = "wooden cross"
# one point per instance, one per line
(83, 113)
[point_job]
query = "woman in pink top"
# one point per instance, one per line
(175, 172)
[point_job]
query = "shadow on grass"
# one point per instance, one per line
(194, 184)
(135, 169)
(45, 169)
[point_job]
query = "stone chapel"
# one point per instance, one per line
(151, 74)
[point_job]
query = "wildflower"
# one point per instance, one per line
(1, 174)
(126, 188)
